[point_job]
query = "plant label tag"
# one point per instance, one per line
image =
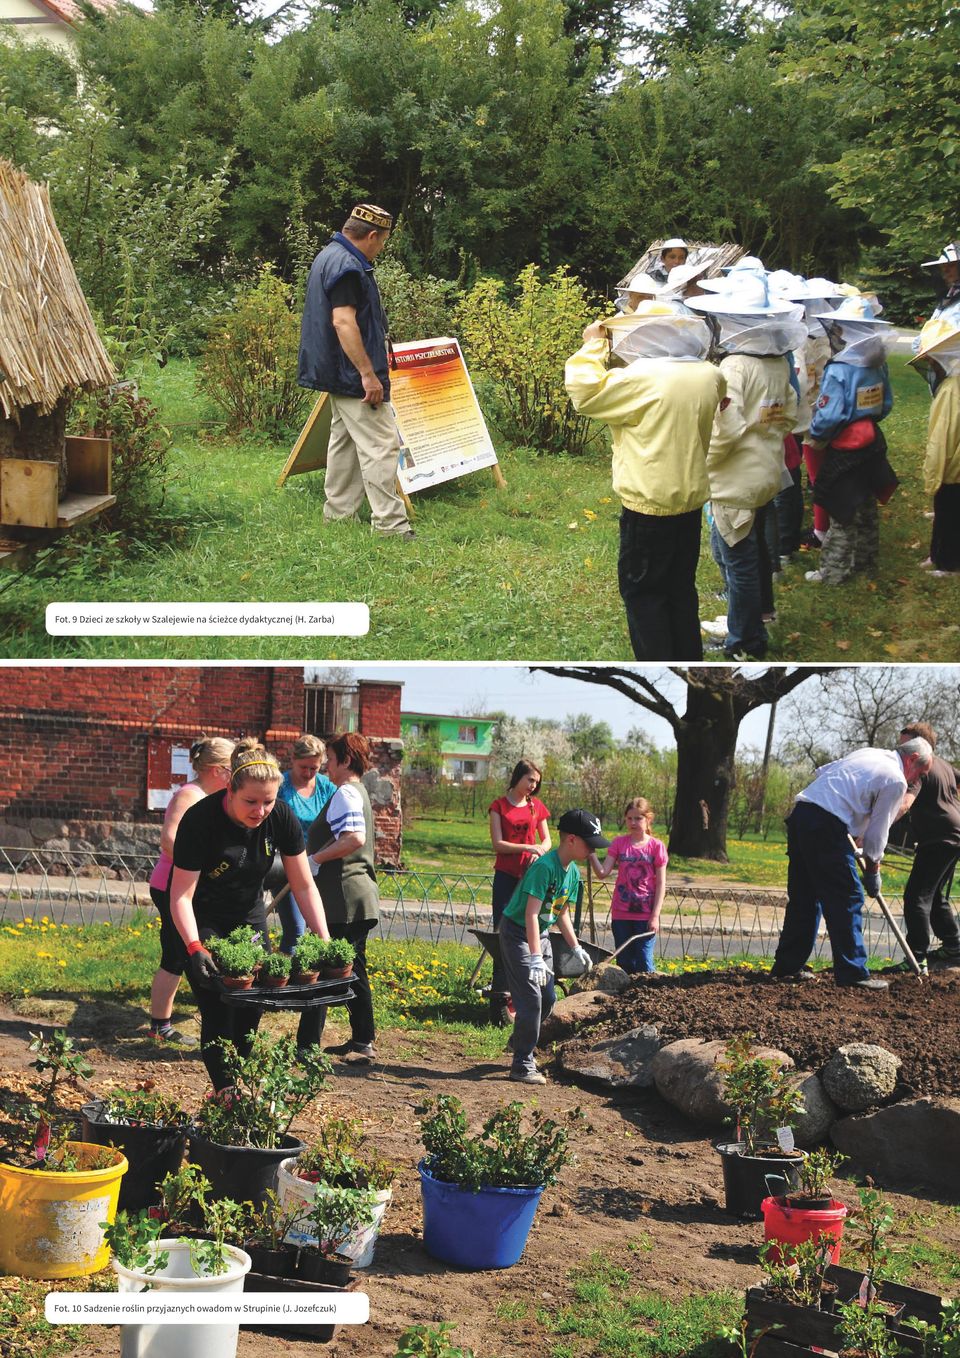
(863, 1296)
(785, 1138)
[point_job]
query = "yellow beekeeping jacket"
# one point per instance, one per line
(941, 466)
(745, 460)
(660, 413)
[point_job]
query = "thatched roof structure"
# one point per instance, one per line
(48, 342)
(721, 256)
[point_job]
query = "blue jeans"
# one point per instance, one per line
(822, 876)
(532, 1003)
(642, 956)
(741, 567)
(292, 923)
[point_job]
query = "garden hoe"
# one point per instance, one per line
(897, 932)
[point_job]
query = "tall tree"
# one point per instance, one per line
(717, 700)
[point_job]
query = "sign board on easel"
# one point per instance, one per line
(441, 429)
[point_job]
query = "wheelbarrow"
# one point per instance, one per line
(565, 966)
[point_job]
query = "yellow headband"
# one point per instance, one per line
(376, 216)
(253, 763)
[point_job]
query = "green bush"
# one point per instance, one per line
(523, 346)
(141, 445)
(249, 366)
(420, 307)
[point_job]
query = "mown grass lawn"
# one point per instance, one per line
(524, 573)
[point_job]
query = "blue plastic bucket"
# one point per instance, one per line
(486, 1229)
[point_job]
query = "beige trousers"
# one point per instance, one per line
(362, 458)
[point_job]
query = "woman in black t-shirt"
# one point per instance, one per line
(225, 846)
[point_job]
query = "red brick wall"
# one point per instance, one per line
(73, 741)
(380, 708)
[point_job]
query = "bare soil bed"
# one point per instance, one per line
(645, 1191)
(920, 1021)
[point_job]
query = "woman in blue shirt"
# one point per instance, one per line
(306, 791)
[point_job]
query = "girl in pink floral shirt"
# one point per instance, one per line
(641, 863)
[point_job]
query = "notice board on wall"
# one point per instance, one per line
(168, 768)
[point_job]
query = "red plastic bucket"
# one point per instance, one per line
(792, 1225)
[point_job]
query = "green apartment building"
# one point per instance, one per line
(465, 743)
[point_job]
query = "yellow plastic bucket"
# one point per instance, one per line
(50, 1221)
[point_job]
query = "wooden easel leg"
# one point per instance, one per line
(499, 479)
(405, 498)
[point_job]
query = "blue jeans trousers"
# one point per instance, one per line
(743, 567)
(822, 877)
(642, 956)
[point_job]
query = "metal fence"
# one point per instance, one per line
(77, 887)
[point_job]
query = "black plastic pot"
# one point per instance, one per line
(333, 1269)
(745, 1177)
(152, 1153)
(807, 1204)
(243, 1173)
(273, 1263)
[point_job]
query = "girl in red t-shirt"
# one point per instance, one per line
(519, 834)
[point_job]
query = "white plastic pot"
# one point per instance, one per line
(181, 1341)
(296, 1192)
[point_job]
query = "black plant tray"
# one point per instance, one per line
(289, 996)
(262, 1282)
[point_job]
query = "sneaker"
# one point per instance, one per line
(815, 577)
(360, 1053)
(940, 575)
(527, 1077)
(926, 565)
(717, 628)
(172, 1037)
(769, 617)
(868, 983)
(904, 967)
(944, 957)
(804, 974)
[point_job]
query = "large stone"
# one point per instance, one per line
(905, 1145)
(620, 1062)
(570, 1013)
(611, 980)
(686, 1076)
(860, 1075)
(812, 1126)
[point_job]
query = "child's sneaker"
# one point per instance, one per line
(905, 967)
(716, 628)
(527, 1077)
(815, 577)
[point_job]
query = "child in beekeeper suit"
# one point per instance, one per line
(757, 335)
(659, 403)
(939, 351)
(855, 395)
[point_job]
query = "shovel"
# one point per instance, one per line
(897, 932)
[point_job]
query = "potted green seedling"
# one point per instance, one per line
(339, 1158)
(274, 970)
(145, 1259)
(336, 959)
(870, 1226)
(809, 1211)
(44, 1181)
(332, 1218)
(150, 1129)
(241, 1134)
(813, 1191)
(481, 1191)
(263, 1228)
(237, 956)
(307, 958)
(763, 1103)
(864, 1331)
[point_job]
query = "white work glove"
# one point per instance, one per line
(583, 959)
(313, 865)
(539, 972)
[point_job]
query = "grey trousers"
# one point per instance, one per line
(531, 1002)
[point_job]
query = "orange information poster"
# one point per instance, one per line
(442, 430)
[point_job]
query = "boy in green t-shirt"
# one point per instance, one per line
(541, 899)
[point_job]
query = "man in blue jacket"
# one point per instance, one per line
(343, 351)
